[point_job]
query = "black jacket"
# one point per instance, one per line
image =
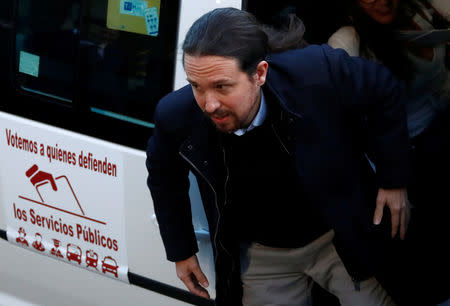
(335, 109)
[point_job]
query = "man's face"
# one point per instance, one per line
(226, 94)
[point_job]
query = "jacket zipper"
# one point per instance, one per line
(279, 139)
(215, 202)
(224, 205)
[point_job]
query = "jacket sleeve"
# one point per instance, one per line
(169, 186)
(370, 89)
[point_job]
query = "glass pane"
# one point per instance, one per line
(128, 50)
(46, 41)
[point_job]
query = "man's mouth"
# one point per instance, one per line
(219, 118)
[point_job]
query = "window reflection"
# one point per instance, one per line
(124, 73)
(45, 47)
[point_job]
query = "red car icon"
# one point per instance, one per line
(109, 265)
(74, 253)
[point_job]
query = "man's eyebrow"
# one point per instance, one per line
(225, 80)
(219, 81)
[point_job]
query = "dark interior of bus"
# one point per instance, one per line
(319, 17)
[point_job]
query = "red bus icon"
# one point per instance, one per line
(74, 253)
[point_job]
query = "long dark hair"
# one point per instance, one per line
(234, 33)
(381, 38)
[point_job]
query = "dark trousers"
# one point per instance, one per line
(421, 263)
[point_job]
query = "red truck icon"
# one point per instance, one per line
(74, 253)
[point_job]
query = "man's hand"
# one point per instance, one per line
(397, 201)
(191, 275)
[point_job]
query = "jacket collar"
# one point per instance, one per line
(283, 86)
(201, 149)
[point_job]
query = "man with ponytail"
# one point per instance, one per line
(276, 133)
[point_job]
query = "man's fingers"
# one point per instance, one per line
(188, 282)
(395, 221)
(190, 274)
(191, 283)
(198, 273)
(406, 215)
(199, 290)
(403, 223)
(395, 199)
(193, 286)
(378, 215)
(200, 281)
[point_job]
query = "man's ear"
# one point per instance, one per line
(261, 72)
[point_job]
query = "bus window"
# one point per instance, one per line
(46, 36)
(114, 58)
(126, 64)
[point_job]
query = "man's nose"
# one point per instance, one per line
(211, 103)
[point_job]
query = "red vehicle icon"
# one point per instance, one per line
(109, 265)
(91, 259)
(74, 253)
